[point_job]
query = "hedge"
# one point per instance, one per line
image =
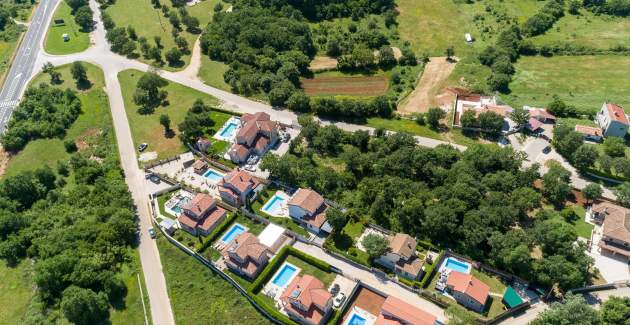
(425, 245)
(268, 271)
(221, 110)
(427, 275)
(218, 231)
(331, 247)
(409, 283)
(272, 311)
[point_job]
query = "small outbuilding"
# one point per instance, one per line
(168, 225)
(469, 38)
(66, 37)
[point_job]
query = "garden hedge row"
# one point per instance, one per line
(218, 231)
(428, 272)
(264, 276)
(272, 311)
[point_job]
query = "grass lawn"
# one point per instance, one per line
(583, 81)
(288, 223)
(211, 72)
(16, 291)
(147, 128)
(150, 22)
(94, 118)
(79, 40)
(326, 277)
(582, 228)
(130, 311)
(6, 53)
(345, 242)
(587, 29)
(496, 286)
(199, 296)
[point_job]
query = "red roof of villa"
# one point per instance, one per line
(258, 116)
(469, 285)
(541, 112)
(395, 311)
(616, 113)
(261, 142)
(588, 130)
(311, 293)
(212, 219)
(307, 199)
(200, 204)
(240, 179)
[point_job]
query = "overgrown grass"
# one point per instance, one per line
(16, 291)
(94, 118)
(211, 72)
(147, 128)
(6, 53)
(582, 81)
(130, 310)
(199, 296)
(79, 40)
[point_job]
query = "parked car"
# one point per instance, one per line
(152, 233)
(154, 179)
(339, 299)
(335, 289)
(547, 150)
(143, 146)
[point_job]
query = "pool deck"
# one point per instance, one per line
(277, 291)
(233, 120)
(284, 207)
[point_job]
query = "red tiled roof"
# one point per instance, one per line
(200, 204)
(588, 130)
(311, 293)
(186, 220)
(307, 199)
(469, 285)
(316, 220)
(241, 180)
(261, 142)
(616, 113)
(403, 245)
(536, 112)
(212, 219)
(533, 124)
(258, 116)
(240, 150)
(397, 311)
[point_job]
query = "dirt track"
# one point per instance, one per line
(425, 94)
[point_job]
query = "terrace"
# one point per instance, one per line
(183, 170)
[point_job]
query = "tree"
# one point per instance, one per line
(165, 121)
(573, 310)
(499, 81)
(375, 245)
(158, 41)
(148, 94)
(173, 56)
(557, 106)
(84, 18)
(386, 56)
(336, 218)
(79, 73)
(450, 51)
(434, 115)
(299, 102)
(520, 116)
(491, 121)
(574, 7)
(55, 76)
(76, 4)
(616, 310)
(585, 157)
(614, 147)
(623, 194)
(592, 192)
(556, 184)
(84, 306)
(469, 119)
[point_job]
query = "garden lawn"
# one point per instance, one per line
(215, 300)
(582, 81)
(211, 72)
(16, 291)
(79, 40)
(410, 126)
(150, 22)
(582, 228)
(94, 118)
(587, 29)
(326, 277)
(147, 128)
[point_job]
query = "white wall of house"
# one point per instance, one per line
(296, 212)
(610, 127)
(467, 301)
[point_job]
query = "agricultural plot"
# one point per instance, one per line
(333, 84)
(582, 81)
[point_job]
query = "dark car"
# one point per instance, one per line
(152, 233)
(154, 179)
(335, 289)
(143, 146)
(547, 150)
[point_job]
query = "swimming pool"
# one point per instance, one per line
(274, 205)
(234, 231)
(213, 175)
(360, 316)
(356, 320)
(457, 265)
(285, 274)
(175, 204)
(228, 130)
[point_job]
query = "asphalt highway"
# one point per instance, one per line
(24, 62)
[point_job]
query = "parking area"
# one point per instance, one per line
(345, 286)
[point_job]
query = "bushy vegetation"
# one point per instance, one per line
(500, 58)
(545, 18)
(9, 30)
(468, 201)
(611, 7)
(45, 112)
(575, 310)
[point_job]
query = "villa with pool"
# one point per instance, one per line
(256, 134)
(309, 209)
(306, 300)
(238, 186)
(244, 254)
(201, 215)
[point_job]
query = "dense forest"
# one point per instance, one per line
(9, 30)
(75, 222)
(476, 202)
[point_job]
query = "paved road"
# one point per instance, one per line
(24, 63)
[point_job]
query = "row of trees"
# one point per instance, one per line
(470, 201)
(575, 310)
(499, 58)
(611, 7)
(544, 19)
(316, 10)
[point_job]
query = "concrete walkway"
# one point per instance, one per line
(383, 284)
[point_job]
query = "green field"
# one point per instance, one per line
(147, 128)
(54, 44)
(150, 22)
(16, 291)
(93, 119)
(211, 72)
(583, 81)
(588, 29)
(199, 296)
(6, 53)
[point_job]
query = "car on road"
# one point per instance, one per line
(143, 146)
(339, 299)
(547, 150)
(152, 233)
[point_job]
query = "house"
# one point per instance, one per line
(401, 257)
(256, 135)
(203, 144)
(468, 290)
(613, 120)
(307, 301)
(615, 228)
(201, 215)
(533, 125)
(540, 114)
(245, 255)
(308, 207)
(590, 133)
(395, 311)
(199, 166)
(237, 186)
(478, 104)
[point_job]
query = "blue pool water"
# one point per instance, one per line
(274, 205)
(228, 131)
(213, 175)
(236, 230)
(177, 208)
(283, 277)
(457, 265)
(356, 320)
